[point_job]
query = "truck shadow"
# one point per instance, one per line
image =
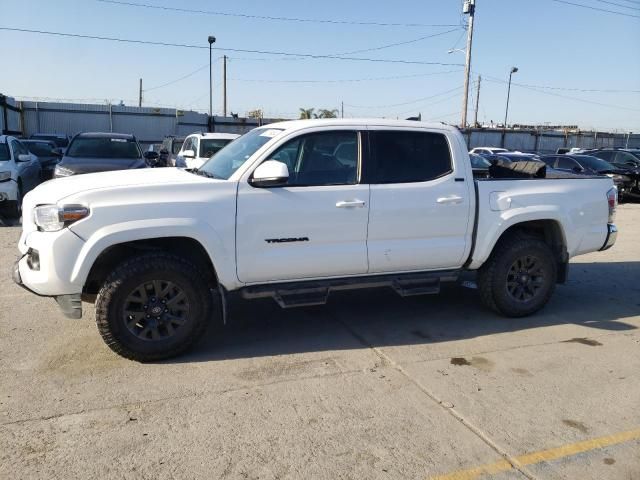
(599, 296)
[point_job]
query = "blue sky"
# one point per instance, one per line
(553, 44)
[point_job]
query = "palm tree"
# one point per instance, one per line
(324, 113)
(307, 113)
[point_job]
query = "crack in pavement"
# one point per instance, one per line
(181, 397)
(451, 410)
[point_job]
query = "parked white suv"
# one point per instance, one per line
(294, 211)
(199, 147)
(20, 171)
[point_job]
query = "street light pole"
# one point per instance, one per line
(468, 8)
(211, 40)
(506, 111)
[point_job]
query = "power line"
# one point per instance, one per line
(491, 79)
(262, 52)
(618, 5)
(404, 103)
(382, 47)
(346, 80)
(282, 19)
(568, 89)
(596, 8)
(177, 79)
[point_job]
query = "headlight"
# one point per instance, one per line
(51, 218)
(62, 172)
(5, 176)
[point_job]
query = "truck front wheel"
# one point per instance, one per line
(153, 306)
(519, 277)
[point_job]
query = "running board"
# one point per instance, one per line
(316, 292)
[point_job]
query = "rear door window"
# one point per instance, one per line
(408, 156)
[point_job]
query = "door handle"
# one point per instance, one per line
(350, 204)
(452, 199)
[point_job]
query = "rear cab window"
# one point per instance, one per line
(401, 156)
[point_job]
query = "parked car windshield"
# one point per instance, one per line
(4, 152)
(41, 149)
(104, 147)
(231, 158)
(211, 146)
(59, 141)
(594, 163)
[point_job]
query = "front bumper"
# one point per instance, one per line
(71, 305)
(612, 235)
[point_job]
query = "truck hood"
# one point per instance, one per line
(55, 190)
(90, 165)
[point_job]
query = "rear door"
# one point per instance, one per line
(420, 215)
(314, 226)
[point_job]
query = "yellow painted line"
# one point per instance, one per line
(542, 456)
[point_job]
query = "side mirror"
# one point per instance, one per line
(24, 158)
(578, 169)
(270, 174)
(150, 155)
(189, 154)
(57, 152)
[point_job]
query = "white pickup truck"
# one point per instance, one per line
(293, 211)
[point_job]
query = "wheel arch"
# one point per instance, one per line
(186, 247)
(550, 231)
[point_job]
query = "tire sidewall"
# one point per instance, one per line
(195, 291)
(503, 299)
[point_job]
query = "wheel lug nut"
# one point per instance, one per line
(166, 310)
(148, 316)
(164, 301)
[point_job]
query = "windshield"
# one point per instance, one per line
(59, 141)
(231, 158)
(594, 163)
(104, 147)
(4, 152)
(211, 146)
(40, 149)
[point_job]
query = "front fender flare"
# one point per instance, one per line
(125, 232)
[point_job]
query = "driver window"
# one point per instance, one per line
(324, 158)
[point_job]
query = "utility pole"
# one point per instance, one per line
(341, 109)
(475, 116)
(470, 9)
(224, 85)
(211, 39)
(140, 94)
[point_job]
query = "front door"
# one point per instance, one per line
(314, 226)
(420, 215)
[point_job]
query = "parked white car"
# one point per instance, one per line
(488, 150)
(20, 172)
(199, 147)
(294, 211)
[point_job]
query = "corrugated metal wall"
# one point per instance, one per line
(9, 116)
(547, 141)
(149, 125)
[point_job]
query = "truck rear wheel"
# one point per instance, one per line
(152, 307)
(519, 277)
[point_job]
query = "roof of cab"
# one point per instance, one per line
(357, 122)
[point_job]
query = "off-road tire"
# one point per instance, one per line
(493, 275)
(117, 288)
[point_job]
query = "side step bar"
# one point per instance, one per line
(316, 292)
